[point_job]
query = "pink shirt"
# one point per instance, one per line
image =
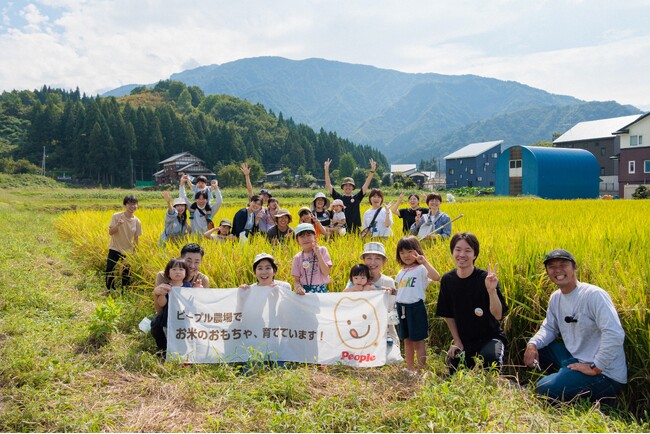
(306, 266)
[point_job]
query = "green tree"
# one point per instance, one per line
(230, 176)
(347, 165)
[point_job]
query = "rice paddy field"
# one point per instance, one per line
(54, 377)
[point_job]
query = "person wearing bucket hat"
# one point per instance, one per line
(222, 232)
(265, 269)
(311, 266)
(281, 231)
(319, 207)
(176, 226)
(352, 202)
(590, 359)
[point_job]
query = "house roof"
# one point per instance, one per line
(474, 150)
(401, 168)
(626, 129)
(275, 172)
(174, 157)
(598, 129)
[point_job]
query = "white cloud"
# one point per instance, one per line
(583, 49)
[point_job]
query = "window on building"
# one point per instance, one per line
(471, 171)
(495, 155)
(451, 171)
(646, 166)
(602, 170)
(466, 170)
(636, 140)
(602, 151)
(479, 178)
(515, 168)
(631, 167)
(460, 161)
(455, 183)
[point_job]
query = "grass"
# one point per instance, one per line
(54, 377)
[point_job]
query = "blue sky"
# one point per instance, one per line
(590, 49)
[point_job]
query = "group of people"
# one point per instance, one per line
(589, 361)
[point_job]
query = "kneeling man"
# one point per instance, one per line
(590, 361)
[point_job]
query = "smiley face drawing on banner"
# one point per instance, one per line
(357, 323)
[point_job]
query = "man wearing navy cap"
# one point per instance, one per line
(590, 360)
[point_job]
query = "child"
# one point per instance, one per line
(265, 269)
(412, 281)
(337, 224)
(201, 186)
(201, 220)
(176, 271)
(311, 267)
(222, 232)
(305, 215)
(359, 279)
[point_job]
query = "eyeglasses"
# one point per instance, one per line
(569, 319)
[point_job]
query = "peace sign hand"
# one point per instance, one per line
(491, 280)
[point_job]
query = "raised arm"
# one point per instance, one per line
(247, 174)
(181, 191)
(394, 208)
(373, 169)
(218, 199)
(326, 168)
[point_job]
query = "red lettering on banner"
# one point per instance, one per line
(358, 357)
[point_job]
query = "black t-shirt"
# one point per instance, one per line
(352, 210)
(467, 301)
(324, 217)
(408, 216)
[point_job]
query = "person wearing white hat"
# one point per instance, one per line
(311, 266)
(176, 226)
(319, 207)
(265, 269)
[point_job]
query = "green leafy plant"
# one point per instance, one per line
(104, 322)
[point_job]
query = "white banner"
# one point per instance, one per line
(208, 325)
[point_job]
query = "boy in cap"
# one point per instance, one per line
(351, 202)
(590, 361)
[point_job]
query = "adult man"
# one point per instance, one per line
(125, 230)
(192, 254)
(351, 202)
(591, 360)
(471, 302)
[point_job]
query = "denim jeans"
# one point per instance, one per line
(566, 384)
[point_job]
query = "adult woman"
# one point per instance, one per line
(377, 220)
(265, 270)
(434, 225)
(267, 220)
(408, 214)
(374, 257)
(247, 219)
(176, 226)
(281, 231)
(199, 224)
(472, 305)
(319, 207)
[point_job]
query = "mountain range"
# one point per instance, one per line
(406, 116)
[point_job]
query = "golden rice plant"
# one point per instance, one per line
(610, 240)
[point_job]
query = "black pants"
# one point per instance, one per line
(113, 257)
(491, 352)
(157, 331)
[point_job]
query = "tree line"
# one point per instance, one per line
(114, 141)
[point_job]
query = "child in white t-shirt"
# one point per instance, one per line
(411, 282)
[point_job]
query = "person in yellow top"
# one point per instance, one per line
(125, 229)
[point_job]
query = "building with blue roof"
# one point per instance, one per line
(549, 173)
(473, 165)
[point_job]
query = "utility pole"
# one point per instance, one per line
(43, 163)
(131, 160)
